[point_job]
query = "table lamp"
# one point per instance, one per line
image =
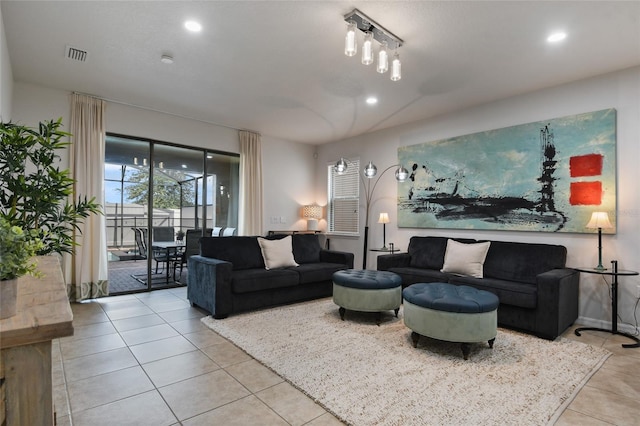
(312, 213)
(599, 220)
(384, 219)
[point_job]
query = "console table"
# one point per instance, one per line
(43, 314)
(614, 272)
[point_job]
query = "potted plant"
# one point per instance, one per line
(17, 251)
(35, 206)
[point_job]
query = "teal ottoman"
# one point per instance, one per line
(367, 291)
(451, 313)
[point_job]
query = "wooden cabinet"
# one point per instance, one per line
(43, 314)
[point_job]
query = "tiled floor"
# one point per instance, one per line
(146, 359)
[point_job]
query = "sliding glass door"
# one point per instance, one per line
(159, 197)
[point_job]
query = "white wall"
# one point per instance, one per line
(6, 76)
(289, 170)
(288, 167)
(619, 90)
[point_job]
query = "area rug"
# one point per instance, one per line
(367, 374)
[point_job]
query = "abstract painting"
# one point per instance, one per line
(547, 176)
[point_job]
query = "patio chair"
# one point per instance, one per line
(163, 233)
(159, 255)
(192, 247)
(228, 232)
(140, 242)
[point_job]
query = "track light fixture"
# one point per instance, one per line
(357, 20)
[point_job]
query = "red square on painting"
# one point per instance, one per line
(586, 193)
(585, 165)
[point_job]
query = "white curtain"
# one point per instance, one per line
(89, 277)
(250, 183)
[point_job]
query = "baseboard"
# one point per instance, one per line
(590, 322)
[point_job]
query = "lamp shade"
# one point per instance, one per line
(384, 218)
(383, 59)
(350, 46)
(371, 170)
(312, 211)
(599, 220)
(396, 68)
(341, 166)
(367, 48)
(402, 174)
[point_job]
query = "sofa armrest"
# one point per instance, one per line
(209, 285)
(333, 256)
(557, 305)
(387, 261)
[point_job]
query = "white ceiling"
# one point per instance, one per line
(278, 67)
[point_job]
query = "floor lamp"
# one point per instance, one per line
(369, 172)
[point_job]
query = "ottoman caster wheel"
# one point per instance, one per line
(466, 350)
(414, 338)
(491, 342)
(342, 311)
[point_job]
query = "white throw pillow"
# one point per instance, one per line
(465, 259)
(277, 253)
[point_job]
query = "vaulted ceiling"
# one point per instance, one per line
(278, 67)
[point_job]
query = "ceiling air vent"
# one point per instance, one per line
(76, 54)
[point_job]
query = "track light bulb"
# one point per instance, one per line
(396, 71)
(350, 46)
(367, 48)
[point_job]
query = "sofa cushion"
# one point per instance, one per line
(522, 262)
(250, 280)
(315, 272)
(512, 293)
(465, 259)
(419, 275)
(428, 252)
(277, 253)
(306, 248)
(242, 252)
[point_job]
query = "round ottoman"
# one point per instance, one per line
(451, 313)
(367, 291)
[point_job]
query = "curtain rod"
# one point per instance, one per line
(113, 101)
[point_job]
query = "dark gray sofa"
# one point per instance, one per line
(229, 275)
(537, 293)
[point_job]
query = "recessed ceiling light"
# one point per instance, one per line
(184, 166)
(556, 37)
(372, 100)
(193, 26)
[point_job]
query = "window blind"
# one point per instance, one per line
(344, 199)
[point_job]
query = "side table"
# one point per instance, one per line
(391, 249)
(614, 272)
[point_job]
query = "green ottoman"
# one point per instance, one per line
(451, 313)
(367, 291)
